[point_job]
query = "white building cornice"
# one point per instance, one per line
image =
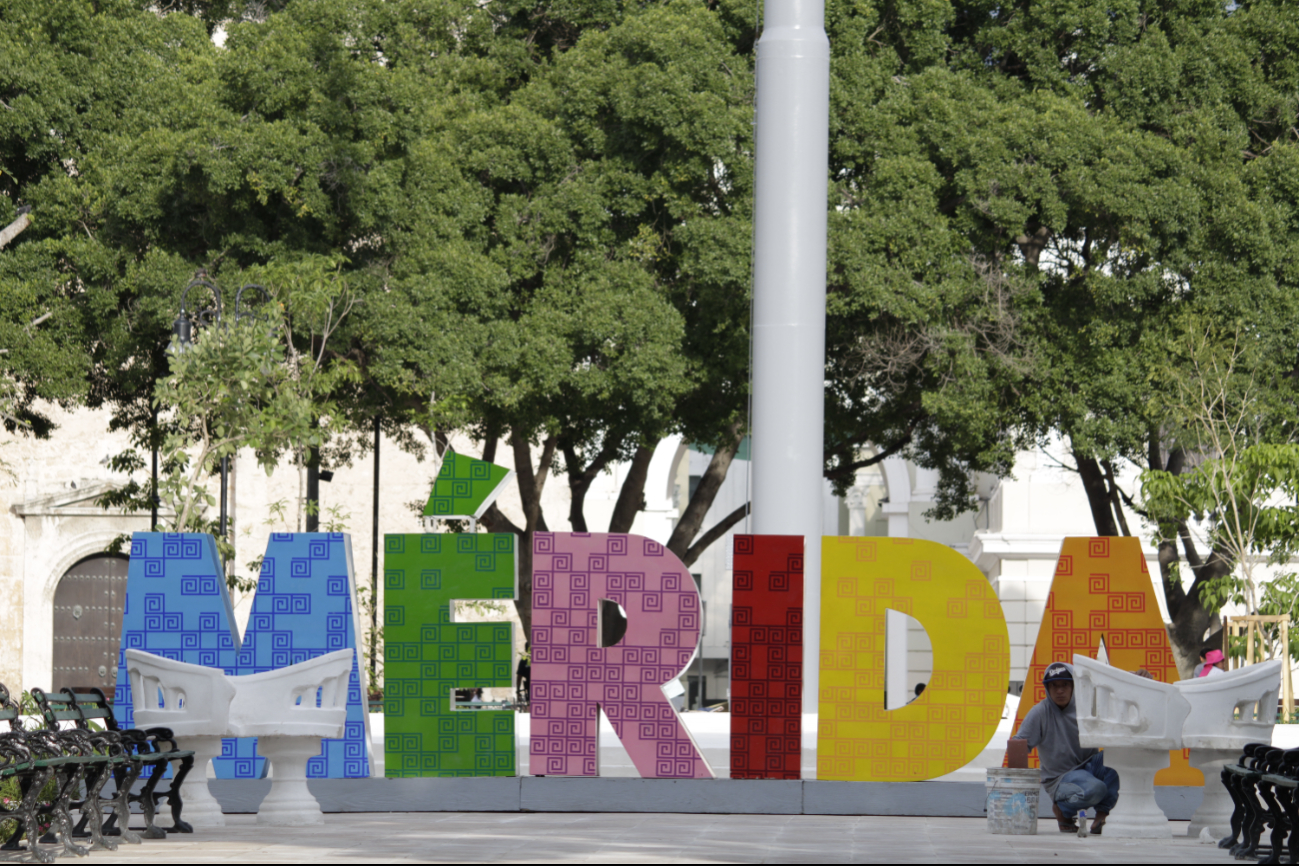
(79, 500)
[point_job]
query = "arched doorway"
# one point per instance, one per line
(88, 606)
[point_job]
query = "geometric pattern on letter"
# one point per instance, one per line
(574, 678)
(950, 724)
(177, 607)
(767, 657)
(465, 487)
(304, 608)
(427, 656)
(1102, 591)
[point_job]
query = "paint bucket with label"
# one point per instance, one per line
(1012, 801)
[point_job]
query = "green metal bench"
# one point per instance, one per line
(153, 749)
(35, 758)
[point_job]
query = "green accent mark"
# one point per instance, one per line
(465, 487)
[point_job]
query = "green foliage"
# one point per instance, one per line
(73, 78)
(533, 222)
(1026, 198)
(232, 389)
(1279, 596)
(1242, 485)
(1256, 488)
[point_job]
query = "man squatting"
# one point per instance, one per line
(1076, 778)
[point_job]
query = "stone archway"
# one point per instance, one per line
(88, 604)
(59, 531)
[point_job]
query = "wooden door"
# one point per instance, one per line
(88, 606)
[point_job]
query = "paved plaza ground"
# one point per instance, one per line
(652, 838)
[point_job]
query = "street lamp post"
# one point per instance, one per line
(153, 442)
(182, 338)
(791, 148)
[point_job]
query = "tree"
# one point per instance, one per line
(1238, 482)
(309, 300)
(619, 216)
(1028, 199)
(482, 216)
(72, 78)
(233, 388)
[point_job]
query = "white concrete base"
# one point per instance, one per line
(200, 809)
(289, 803)
(1137, 815)
(1216, 808)
(712, 796)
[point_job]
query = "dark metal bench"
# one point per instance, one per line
(153, 749)
(1264, 787)
(18, 762)
(35, 758)
(1279, 777)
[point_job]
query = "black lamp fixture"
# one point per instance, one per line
(241, 313)
(182, 330)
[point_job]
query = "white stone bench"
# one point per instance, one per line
(290, 710)
(1228, 711)
(1137, 722)
(194, 701)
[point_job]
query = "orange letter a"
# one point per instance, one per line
(1101, 593)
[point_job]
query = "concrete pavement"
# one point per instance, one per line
(650, 838)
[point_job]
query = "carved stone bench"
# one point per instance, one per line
(290, 710)
(194, 702)
(1137, 722)
(1228, 712)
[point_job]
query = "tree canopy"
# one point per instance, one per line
(1029, 203)
(541, 212)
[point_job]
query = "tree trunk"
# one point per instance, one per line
(532, 483)
(14, 229)
(718, 529)
(631, 498)
(580, 479)
(1098, 494)
(692, 519)
(523, 604)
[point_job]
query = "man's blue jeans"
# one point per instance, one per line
(1092, 784)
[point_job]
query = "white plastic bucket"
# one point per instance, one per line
(1012, 801)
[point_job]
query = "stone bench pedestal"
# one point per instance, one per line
(201, 808)
(1137, 815)
(1216, 808)
(289, 803)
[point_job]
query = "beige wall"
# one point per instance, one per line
(48, 520)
